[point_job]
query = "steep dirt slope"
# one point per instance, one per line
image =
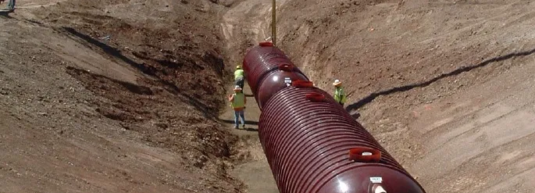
(113, 96)
(480, 139)
(442, 84)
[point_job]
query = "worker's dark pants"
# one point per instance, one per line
(11, 4)
(239, 82)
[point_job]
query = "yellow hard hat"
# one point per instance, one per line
(238, 67)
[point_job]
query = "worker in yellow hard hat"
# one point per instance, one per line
(339, 95)
(239, 78)
(238, 102)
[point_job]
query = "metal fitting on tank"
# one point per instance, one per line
(288, 81)
(378, 189)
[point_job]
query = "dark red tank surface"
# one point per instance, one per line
(266, 68)
(274, 81)
(357, 180)
(312, 144)
(308, 143)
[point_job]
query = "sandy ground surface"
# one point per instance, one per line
(122, 96)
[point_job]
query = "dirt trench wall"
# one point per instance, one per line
(173, 90)
(398, 56)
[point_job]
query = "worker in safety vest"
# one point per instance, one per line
(238, 102)
(239, 76)
(339, 95)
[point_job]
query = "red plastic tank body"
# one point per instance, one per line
(312, 144)
(274, 81)
(266, 68)
(357, 180)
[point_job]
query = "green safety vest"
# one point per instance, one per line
(339, 95)
(238, 73)
(239, 100)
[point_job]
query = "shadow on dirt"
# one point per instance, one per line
(201, 107)
(136, 89)
(143, 90)
(38, 23)
(371, 97)
(172, 88)
(110, 50)
(246, 122)
(250, 129)
(5, 14)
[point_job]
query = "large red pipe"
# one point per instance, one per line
(312, 144)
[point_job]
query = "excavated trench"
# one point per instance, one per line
(435, 90)
(429, 78)
(245, 24)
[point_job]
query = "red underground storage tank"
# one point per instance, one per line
(266, 69)
(312, 144)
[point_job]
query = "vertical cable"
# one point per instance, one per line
(274, 22)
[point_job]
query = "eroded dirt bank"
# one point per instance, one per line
(113, 96)
(442, 84)
(123, 96)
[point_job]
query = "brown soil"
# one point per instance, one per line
(127, 96)
(442, 84)
(114, 96)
